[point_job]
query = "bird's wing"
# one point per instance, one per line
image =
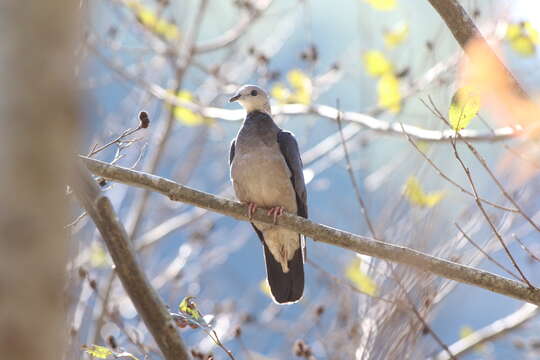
(231, 151)
(291, 153)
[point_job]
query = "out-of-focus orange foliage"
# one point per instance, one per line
(503, 100)
(507, 105)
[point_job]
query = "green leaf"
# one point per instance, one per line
(362, 281)
(189, 307)
(396, 35)
(389, 94)
(376, 63)
(415, 194)
(100, 352)
(464, 107)
(383, 5)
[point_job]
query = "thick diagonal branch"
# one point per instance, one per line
(144, 298)
(464, 30)
(326, 234)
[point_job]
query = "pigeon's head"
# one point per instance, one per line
(252, 98)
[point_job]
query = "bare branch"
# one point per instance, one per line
(464, 30)
(356, 243)
(143, 296)
(232, 35)
(492, 331)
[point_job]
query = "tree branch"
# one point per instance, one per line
(492, 331)
(144, 298)
(463, 28)
(356, 243)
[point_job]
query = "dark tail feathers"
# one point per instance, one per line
(285, 287)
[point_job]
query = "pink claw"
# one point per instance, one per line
(276, 211)
(251, 209)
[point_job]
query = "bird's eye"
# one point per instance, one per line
(253, 92)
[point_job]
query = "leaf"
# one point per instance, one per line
(396, 35)
(186, 116)
(148, 18)
(415, 194)
(388, 93)
(464, 107)
(301, 89)
(265, 288)
(376, 63)
(188, 307)
(100, 352)
(523, 38)
(384, 5)
(280, 93)
(301, 83)
(98, 256)
(363, 282)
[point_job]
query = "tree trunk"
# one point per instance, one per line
(38, 112)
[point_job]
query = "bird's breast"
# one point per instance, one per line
(261, 175)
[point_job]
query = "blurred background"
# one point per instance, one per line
(391, 60)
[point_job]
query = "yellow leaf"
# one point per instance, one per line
(149, 19)
(186, 116)
(415, 194)
(388, 93)
(97, 351)
(464, 106)
(384, 5)
(265, 288)
(376, 64)
(280, 93)
(361, 280)
(98, 256)
(523, 38)
(301, 89)
(189, 307)
(396, 35)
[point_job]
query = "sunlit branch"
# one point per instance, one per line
(492, 331)
(143, 296)
(359, 244)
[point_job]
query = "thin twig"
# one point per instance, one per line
(447, 178)
(438, 114)
(489, 257)
(527, 250)
(356, 188)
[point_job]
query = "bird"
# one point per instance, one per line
(266, 171)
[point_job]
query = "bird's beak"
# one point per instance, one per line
(234, 98)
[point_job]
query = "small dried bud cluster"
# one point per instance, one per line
(301, 349)
(311, 54)
(201, 356)
(101, 181)
(111, 340)
(144, 120)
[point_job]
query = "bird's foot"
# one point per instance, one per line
(275, 211)
(252, 207)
